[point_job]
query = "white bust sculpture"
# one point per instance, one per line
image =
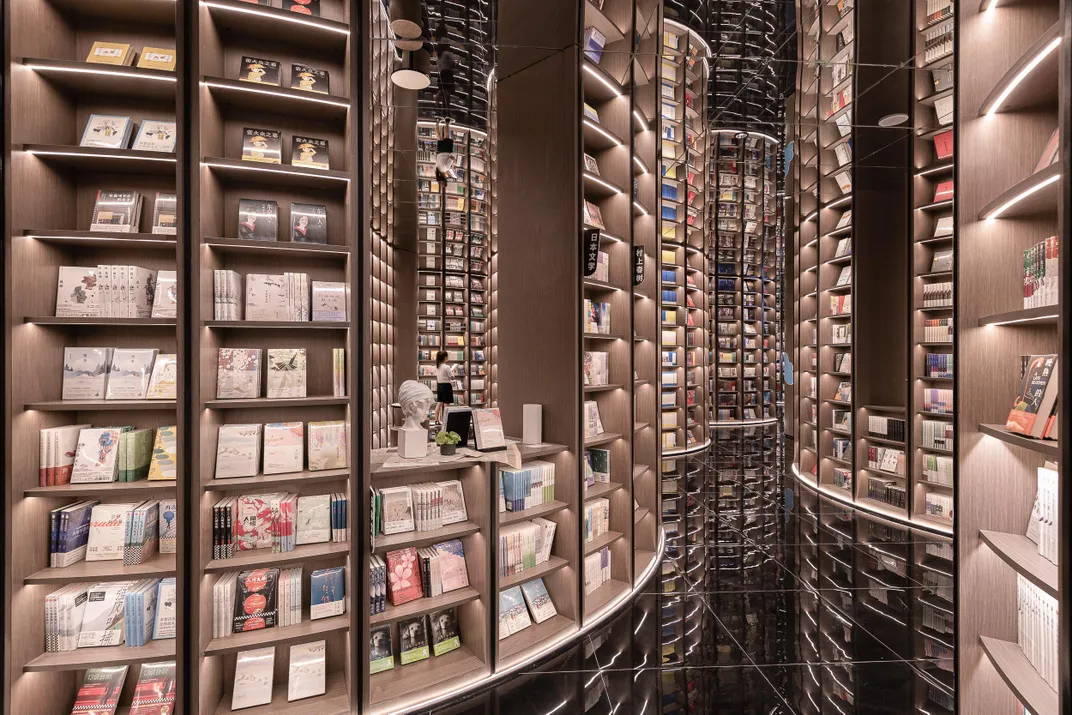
(415, 399)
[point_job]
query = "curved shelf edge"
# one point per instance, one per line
(1026, 82)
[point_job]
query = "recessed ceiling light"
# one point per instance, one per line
(410, 79)
(740, 135)
(893, 120)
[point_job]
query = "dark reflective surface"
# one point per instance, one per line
(770, 600)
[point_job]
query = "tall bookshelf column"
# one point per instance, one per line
(226, 32)
(50, 186)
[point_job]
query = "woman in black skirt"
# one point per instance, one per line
(444, 385)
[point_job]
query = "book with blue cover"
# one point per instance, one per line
(327, 592)
(70, 533)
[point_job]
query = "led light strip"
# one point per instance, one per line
(996, 213)
(279, 17)
(935, 170)
(111, 73)
(1036, 319)
(133, 241)
(810, 216)
(839, 202)
(592, 125)
(640, 164)
(1022, 74)
(606, 82)
(218, 165)
(605, 184)
(641, 208)
(641, 121)
(49, 152)
(255, 90)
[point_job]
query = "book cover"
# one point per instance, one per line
(284, 448)
(269, 297)
(308, 223)
(262, 145)
(110, 53)
(154, 693)
(238, 451)
(163, 381)
(85, 373)
(165, 218)
(453, 573)
(254, 522)
(310, 79)
(286, 372)
(128, 376)
(163, 465)
(327, 592)
(164, 626)
(96, 456)
(100, 691)
(116, 211)
(238, 373)
(381, 650)
(308, 670)
(1034, 401)
(135, 453)
(539, 601)
(594, 41)
(444, 627)
(303, 7)
(453, 507)
(107, 131)
(167, 527)
(403, 576)
(313, 524)
(254, 672)
(259, 71)
(488, 429)
(513, 616)
(77, 294)
(327, 445)
(329, 301)
(258, 220)
(308, 151)
(156, 135)
(255, 600)
(943, 145)
(413, 639)
(157, 58)
(103, 619)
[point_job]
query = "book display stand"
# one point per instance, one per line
(742, 299)
(1012, 110)
(684, 351)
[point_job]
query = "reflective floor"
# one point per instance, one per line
(771, 600)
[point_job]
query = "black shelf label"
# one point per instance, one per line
(591, 251)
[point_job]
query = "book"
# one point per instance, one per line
(451, 563)
(284, 449)
(260, 71)
(238, 451)
(254, 672)
(307, 151)
(286, 373)
(444, 628)
(163, 465)
(513, 615)
(100, 690)
(538, 600)
(111, 53)
(102, 620)
(310, 79)
(57, 454)
(593, 44)
(165, 623)
(943, 145)
(128, 376)
(413, 640)
(164, 378)
(157, 58)
(262, 145)
(258, 220)
(255, 603)
(308, 223)
(238, 374)
(167, 527)
(396, 510)
(156, 135)
(165, 218)
(1051, 152)
(327, 593)
(942, 261)
(326, 445)
(303, 7)
(154, 693)
(404, 581)
(943, 191)
(107, 131)
(488, 429)
(1035, 400)
(329, 301)
(85, 373)
(77, 293)
(135, 453)
(116, 211)
(313, 519)
(381, 651)
(308, 670)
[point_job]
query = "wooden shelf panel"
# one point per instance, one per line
(106, 489)
(603, 595)
(1021, 677)
(273, 174)
(84, 658)
(272, 480)
(159, 566)
(601, 489)
(424, 538)
(405, 681)
(1035, 195)
(299, 103)
(110, 80)
(334, 701)
(534, 635)
(269, 23)
(304, 631)
(96, 159)
(1016, 91)
(257, 402)
(510, 517)
(1021, 553)
(100, 405)
(278, 325)
(603, 438)
(1047, 315)
(1047, 447)
(266, 557)
(424, 605)
(552, 564)
(290, 249)
(109, 322)
(100, 239)
(604, 539)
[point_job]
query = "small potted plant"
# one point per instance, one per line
(448, 442)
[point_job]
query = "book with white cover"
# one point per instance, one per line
(329, 301)
(156, 135)
(254, 670)
(103, 619)
(128, 377)
(284, 447)
(286, 372)
(453, 506)
(314, 519)
(141, 292)
(96, 457)
(326, 445)
(308, 669)
(164, 625)
(238, 451)
(107, 531)
(85, 373)
(77, 294)
(539, 601)
(396, 510)
(163, 384)
(238, 373)
(266, 297)
(166, 295)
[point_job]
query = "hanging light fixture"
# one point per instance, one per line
(413, 72)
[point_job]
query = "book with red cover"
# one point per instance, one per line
(943, 145)
(155, 691)
(1049, 154)
(403, 576)
(943, 191)
(1031, 410)
(99, 694)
